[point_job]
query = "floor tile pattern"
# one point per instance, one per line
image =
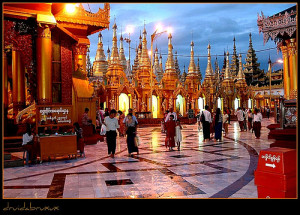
(199, 170)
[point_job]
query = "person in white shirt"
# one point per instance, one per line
(206, 123)
(225, 122)
(28, 145)
(112, 125)
(257, 118)
(240, 118)
(173, 113)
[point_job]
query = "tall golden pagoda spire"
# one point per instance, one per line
(209, 70)
(192, 67)
(170, 65)
(114, 58)
(241, 74)
(100, 64)
(227, 72)
(145, 60)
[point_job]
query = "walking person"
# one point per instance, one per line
(171, 112)
(229, 115)
(170, 135)
(240, 118)
(130, 125)
(225, 122)
(178, 135)
(122, 125)
(80, 140)
(250, 117)
(257, 118)
(268, 112)
(218, 124)
(206, 120)
(245, 115)
(112, 125)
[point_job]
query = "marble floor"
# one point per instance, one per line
(199, 170)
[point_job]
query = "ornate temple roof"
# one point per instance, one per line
(278, 26)
(94, 21)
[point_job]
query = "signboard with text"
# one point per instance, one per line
(51, 115)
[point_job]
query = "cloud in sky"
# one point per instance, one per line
(215, 23)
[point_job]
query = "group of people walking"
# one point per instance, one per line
(212, 125)
(126, 125)
(219, 122)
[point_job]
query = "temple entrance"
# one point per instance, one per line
(236, 103)
(154, 106)
(179, 104)
(219, 102)
(124, 103)
(200, 103)
(250, 103)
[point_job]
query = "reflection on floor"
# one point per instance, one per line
(199, 170)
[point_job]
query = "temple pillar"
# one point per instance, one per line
(159, 115)
(286, 77)
(4, 84)
(44, 65)
(18, 80)
(292, 53)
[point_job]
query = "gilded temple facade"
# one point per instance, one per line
(44, 60)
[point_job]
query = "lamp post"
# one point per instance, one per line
(158, 31)
(279, 61)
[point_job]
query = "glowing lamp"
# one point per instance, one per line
(169, 30)
(129, 29)
(159, 28)
(70, 8)
(279, 61)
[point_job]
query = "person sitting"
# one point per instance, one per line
(28, 145)
(85, 118)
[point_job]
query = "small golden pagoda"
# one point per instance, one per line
(170, 81)
(117, 82)
(228, 86)
(241, 85)
(192, 82)
(100, 64)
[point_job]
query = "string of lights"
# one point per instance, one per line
(214, 55)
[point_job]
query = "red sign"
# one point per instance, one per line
(277, 160)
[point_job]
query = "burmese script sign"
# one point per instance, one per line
(54, 114)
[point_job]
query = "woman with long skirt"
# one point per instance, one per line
(218, 124)
(170, 135)
(257, 118)
(131, 134)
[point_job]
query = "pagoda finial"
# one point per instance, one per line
(240, 75)
(170, 65)
(209, 70)
(227, 72)
(192, 67)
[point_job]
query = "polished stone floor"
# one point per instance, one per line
(199, 170)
